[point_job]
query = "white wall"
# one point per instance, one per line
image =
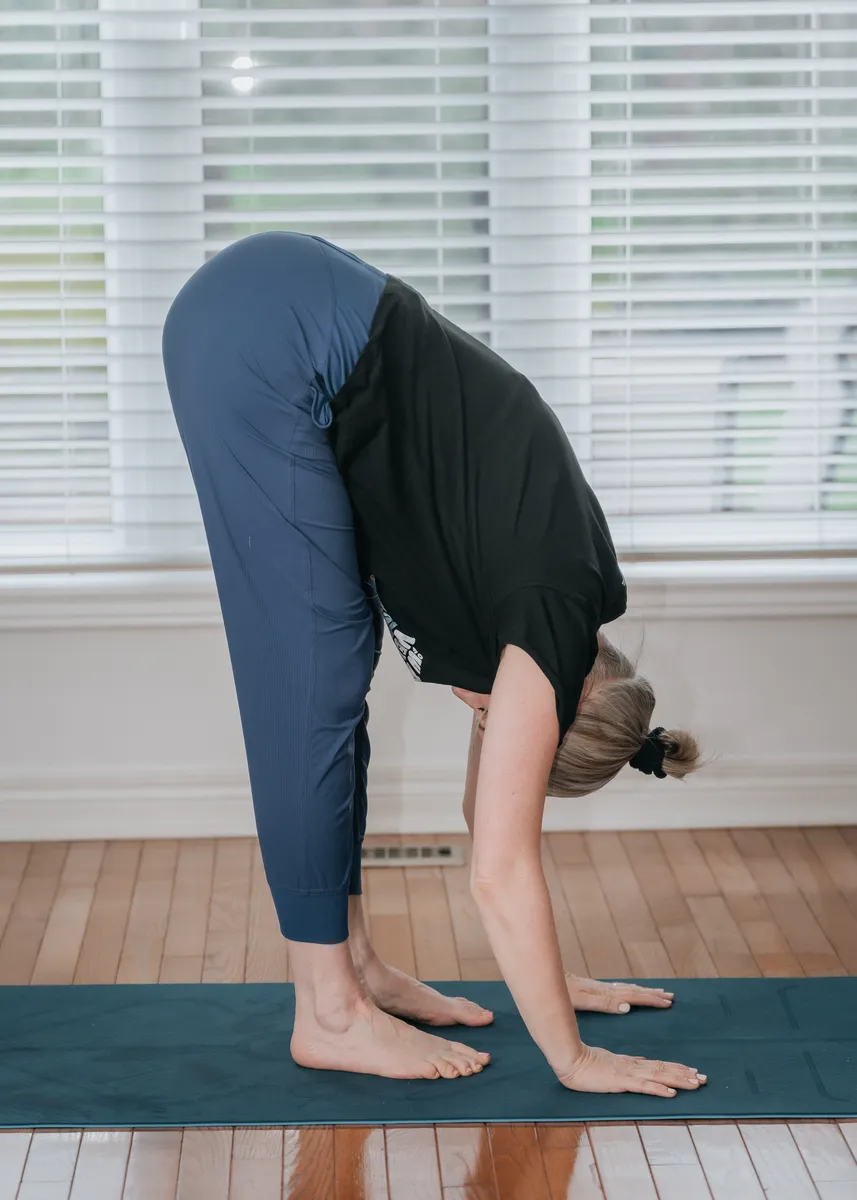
(118, 715)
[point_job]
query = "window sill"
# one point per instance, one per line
(786, 587)
(127, 599)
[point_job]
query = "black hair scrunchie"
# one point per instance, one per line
(650, 757)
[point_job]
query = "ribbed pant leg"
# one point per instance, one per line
(362, 751)
(298, 623)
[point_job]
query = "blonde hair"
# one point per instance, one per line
(611, 723)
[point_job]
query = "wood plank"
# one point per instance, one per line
(25, 927)
(828, 907)
(267, 949)
(777, 1160)
(431, 923)
(848, 1129)
(153, 1164)
(481, 968)
(142, 948)
(413, 1172)
(747, 905)
(257, 1164)
(599, 939)
(435, 955)
(13, 864)
(464, 1153)
(361, 1164)
(475, 956)
(849, 833)
(790, 910)
(518, 1166)
(831, 1165)
(681, 938)
(229, 912)
(101, 949)
(640, 936)
(673, 1161)
(726, 945)
(50, 1165)
(14, 1145)
(839, 859)
(386, 900)
(573, 959)
(687, 863)
(308, 1162)
(569, 1162)
(66, 925)
(204, 1164)
(729, 1170)
(101, 1163)
(187, 924)
(622, 1164)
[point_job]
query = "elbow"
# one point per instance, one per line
(498, 883)
(484, 888)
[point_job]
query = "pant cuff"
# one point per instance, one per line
(321, 918)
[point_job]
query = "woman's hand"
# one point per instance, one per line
(591, 995)
(598, 1070)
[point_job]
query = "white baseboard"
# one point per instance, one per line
(149, 803)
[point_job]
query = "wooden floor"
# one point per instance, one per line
(747, 902)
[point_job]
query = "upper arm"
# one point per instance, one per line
(558, 631)
(517, 753)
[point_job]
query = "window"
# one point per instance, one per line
(723, 273)
(648, 207)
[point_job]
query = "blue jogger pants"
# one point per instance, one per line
(254, 346)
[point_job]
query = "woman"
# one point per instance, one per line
(360, 459)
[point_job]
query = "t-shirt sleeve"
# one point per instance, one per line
(559, 632)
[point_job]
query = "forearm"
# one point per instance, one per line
(518, 918)
(512, 915)
(507, 774)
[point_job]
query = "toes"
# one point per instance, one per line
(460, 1063)
(472, 1013)
(476, 1058)
(447, 1068)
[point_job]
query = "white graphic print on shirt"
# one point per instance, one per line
(405, 644)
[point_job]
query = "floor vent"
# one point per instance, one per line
(426, 855)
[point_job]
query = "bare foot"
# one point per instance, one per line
(400, 994)
(371, 1042)
(593, 995)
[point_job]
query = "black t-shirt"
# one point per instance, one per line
(471, 511)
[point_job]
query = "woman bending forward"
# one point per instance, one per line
(358, 460)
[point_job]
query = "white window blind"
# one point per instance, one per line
(648, 207)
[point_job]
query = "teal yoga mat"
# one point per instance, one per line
(218, 1054)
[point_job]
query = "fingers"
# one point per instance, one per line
(612, 1001)
(650, 1088)
(642, 997)
(616, 997)
(648, 997)
(669, 1074)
